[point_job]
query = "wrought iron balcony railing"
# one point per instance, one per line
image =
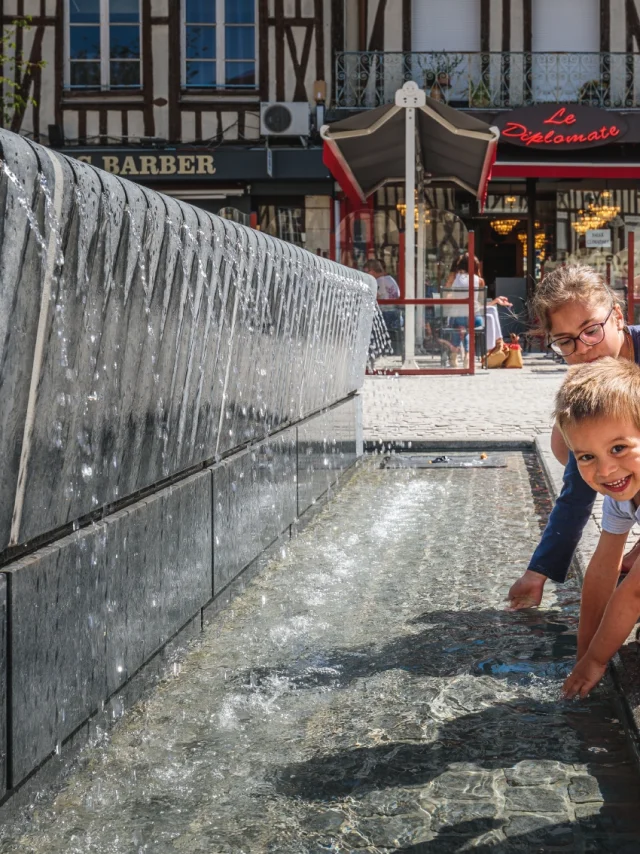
(490, 80)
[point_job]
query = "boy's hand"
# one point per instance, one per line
(582, 678)
(527, 591)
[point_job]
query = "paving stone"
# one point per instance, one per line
(465, 819)
(554, 828)
(387, 802)
(492, 404)
(530, 772)
(536, 799)
(463, 785)
(388, 832)
(584, 789)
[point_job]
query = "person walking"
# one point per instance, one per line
(388, 288)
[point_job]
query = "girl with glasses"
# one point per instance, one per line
(583, 321)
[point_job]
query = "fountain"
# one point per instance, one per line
(178, 389)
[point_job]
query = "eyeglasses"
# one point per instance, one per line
(590, 336)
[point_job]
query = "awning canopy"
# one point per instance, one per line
(366, 151)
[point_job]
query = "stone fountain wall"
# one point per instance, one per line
(175, 390)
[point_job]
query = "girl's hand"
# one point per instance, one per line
(503, 301)
(584, 676)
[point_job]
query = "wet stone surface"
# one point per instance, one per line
(368, 693)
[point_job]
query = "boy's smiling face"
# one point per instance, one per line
(608, 455)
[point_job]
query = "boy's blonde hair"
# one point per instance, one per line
(575, 283)
(607, 388)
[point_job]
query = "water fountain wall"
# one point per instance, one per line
(177, 389)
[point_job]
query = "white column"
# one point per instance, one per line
(410, 97)
(410, 238)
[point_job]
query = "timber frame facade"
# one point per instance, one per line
(296, 44)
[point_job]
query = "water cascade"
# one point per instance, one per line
(177, 390)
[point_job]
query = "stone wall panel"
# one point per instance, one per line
(254, 501)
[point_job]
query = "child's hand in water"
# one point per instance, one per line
(587, 673)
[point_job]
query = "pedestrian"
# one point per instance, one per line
(388, 289)
(598, 415)
(583, 321)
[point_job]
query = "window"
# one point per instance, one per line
(445, 25)
(556, 27)
(104, 44)
(220, 44)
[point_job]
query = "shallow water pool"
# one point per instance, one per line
(368, 693)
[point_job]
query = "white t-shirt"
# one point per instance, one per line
(388, 288)
(618, 517)
(461, 283)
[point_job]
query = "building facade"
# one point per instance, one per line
(187, 96)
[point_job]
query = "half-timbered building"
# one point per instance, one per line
(219, 102)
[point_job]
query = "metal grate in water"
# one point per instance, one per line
(444, 461)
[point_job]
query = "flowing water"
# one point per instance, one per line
(367, 693)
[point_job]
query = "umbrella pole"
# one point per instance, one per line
(410, 239)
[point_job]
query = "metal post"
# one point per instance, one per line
(472, 301)
(421, 265)
(410, 239)
(631, 296)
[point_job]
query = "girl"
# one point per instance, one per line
(583, 321)
(458, 280)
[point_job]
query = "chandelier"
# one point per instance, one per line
(588, 220)
(605, 210)
(503, 226)
(597, 214)
(510, 201)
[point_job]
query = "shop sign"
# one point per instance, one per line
(134, 165)
(226, 163)
(598, 238)
(561, 128)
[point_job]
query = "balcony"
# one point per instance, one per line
(488, 81)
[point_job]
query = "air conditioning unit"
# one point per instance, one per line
(284, 118)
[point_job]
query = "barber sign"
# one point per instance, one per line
(598, 238)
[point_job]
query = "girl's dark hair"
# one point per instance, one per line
(461, 264)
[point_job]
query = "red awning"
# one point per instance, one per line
(565, 171)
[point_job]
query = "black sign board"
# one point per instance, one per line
(561, 127)
(224, 164)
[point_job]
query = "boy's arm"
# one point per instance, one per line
(567, 519)
(620, 616)
(599, 584)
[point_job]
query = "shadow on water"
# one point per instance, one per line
(497, 737)
(516, 647)
(545, 738)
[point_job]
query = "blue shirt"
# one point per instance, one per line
(570, 513)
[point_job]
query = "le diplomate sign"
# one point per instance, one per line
(561, 128)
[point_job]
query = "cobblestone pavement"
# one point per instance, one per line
(368, 694)
(509, 405)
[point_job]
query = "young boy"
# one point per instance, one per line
(598, 413)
